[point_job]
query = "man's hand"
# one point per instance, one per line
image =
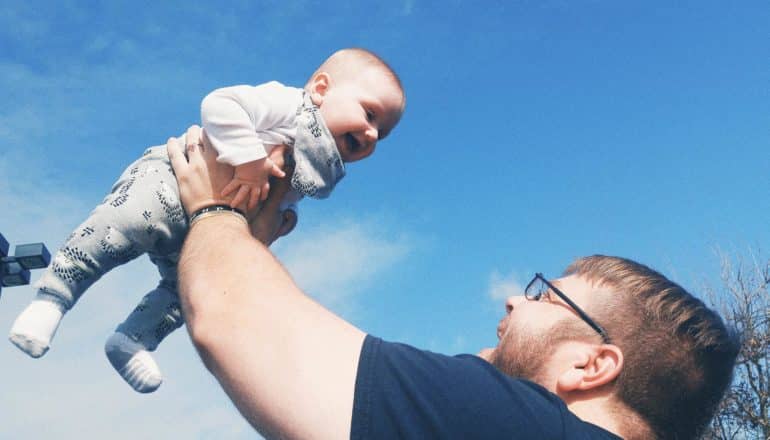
(251, 181)
(236, 297)
(487, 354)
(201, 179)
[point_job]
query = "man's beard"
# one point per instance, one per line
(524, 354)
(521, 354)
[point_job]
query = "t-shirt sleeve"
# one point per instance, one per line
(233, 118)
(403, 392)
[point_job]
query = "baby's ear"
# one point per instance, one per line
(319, 86)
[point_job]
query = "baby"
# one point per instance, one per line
(353, 100)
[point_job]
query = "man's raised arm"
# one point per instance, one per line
(287, 363)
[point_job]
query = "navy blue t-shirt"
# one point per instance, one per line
(406, 393)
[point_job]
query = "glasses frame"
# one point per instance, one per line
(594, 325)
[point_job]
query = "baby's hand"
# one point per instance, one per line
(252, 182)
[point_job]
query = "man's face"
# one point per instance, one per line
(531, 331)
(360, 111)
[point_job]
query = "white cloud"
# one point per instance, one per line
(73, 392)
(501, 287)
(55, 112)
(457, 344)
(334, 263)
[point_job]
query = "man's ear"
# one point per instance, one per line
(319, 85)
(591, 367)
(288, 222)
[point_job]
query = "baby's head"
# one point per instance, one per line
(360, 98)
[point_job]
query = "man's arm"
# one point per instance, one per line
(287, 363)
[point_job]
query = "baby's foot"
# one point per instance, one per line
(35, 327)
(133, 362)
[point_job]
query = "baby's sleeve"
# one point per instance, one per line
(233, 117)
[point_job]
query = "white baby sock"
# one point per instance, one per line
(35, 327)
(133, 362)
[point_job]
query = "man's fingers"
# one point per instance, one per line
(208, 152)
(193, 151)
(193, 135)
(175, 154)
(486, 354)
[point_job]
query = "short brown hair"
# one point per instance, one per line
(679, 355)
(357, 57)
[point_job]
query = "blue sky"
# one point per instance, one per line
(535, 132)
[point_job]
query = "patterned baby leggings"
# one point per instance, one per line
(142, 214)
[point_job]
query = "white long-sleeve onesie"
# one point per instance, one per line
(245, 122)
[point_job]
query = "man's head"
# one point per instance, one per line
(668, 360)
(361, 100)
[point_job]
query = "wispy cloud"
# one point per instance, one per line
(86, 91)
(458, 344)
(73, 392)
(503, 286)
(333, 263)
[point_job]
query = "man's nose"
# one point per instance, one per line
(512, 301)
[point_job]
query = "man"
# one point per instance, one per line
(611, 349)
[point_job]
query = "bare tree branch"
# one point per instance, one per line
(743, 297)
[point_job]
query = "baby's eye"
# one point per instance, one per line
(370, 115)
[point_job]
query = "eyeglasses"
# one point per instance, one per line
(539, 286)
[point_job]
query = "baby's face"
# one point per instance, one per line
(360, 111)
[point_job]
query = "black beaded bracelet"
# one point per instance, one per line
(213, 210)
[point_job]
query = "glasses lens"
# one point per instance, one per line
(536, 289)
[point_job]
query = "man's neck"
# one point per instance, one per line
(602, 411)
(597, 411)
